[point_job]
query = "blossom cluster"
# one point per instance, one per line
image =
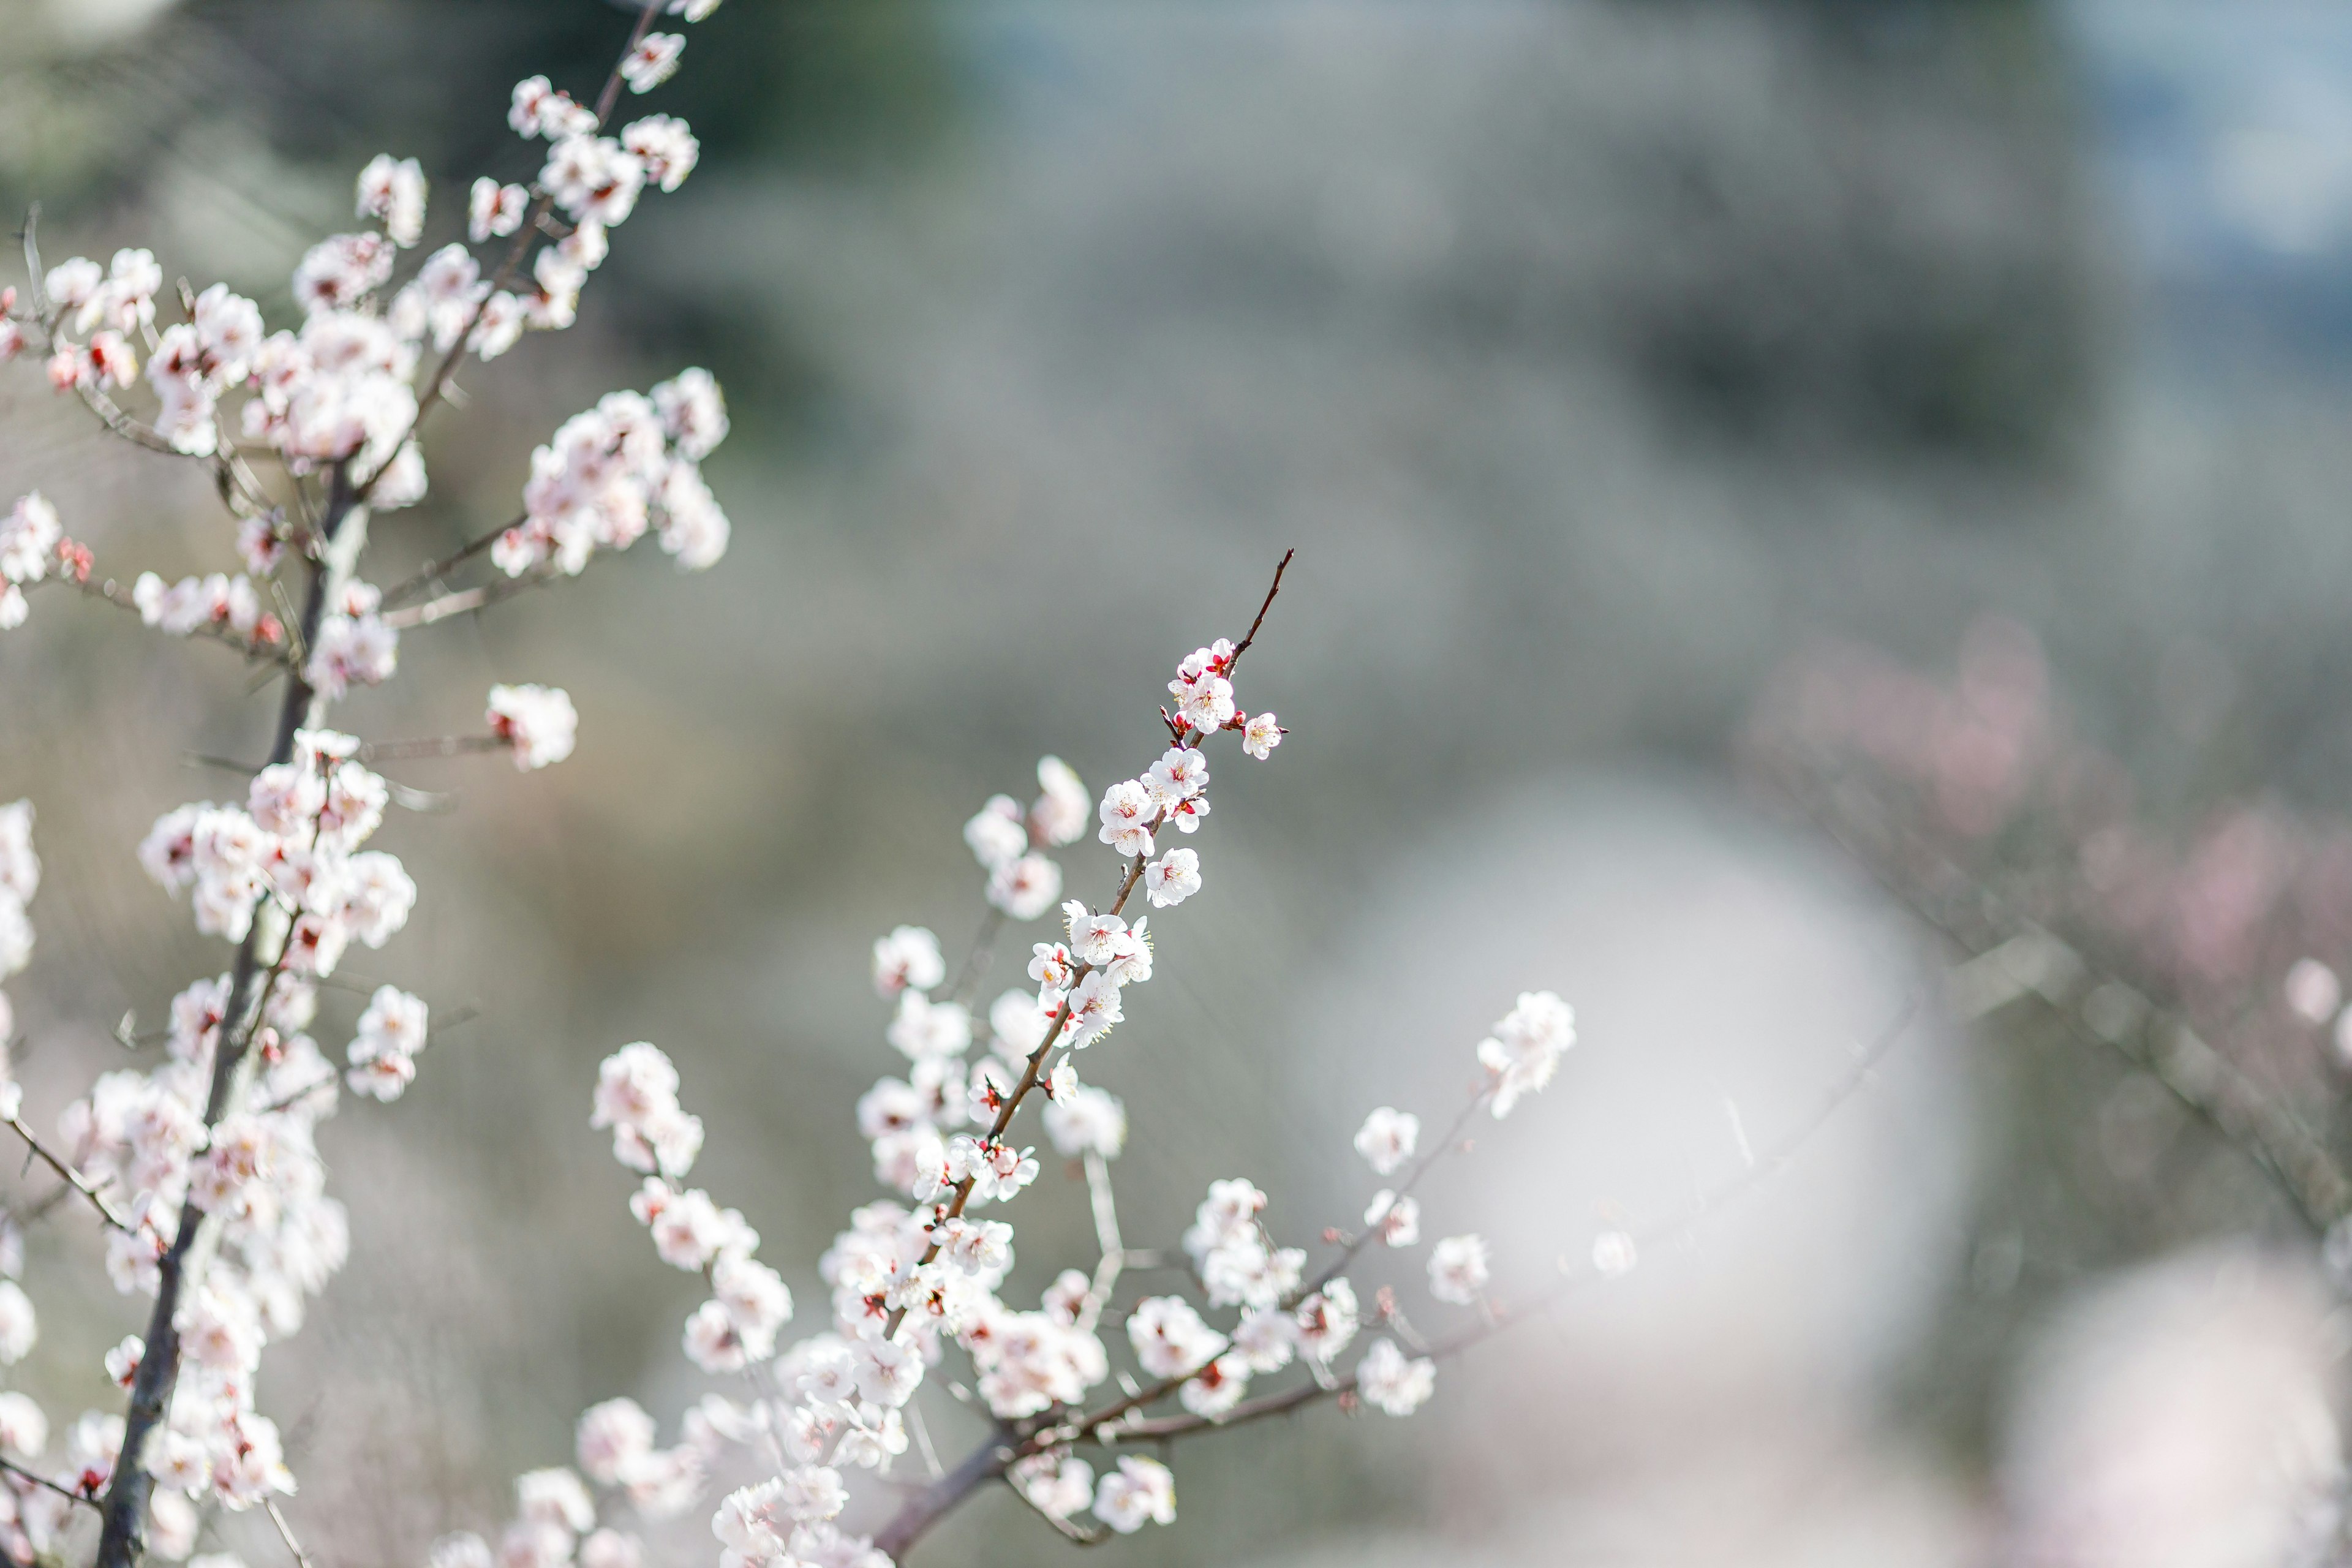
(630, 463)
(342, 389)
(922, 1274)
(1009, 840)
(538, 722)
(295, 844)
(141, 1140)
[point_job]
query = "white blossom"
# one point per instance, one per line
(1169, 1337)
(493, 210)
(18, 1328)
(652, 61)
(1140, 1491)
(1172, 878)
(1390, 1383)
(393, 191)
(999, 832)
(1457, 1269)
(1524, 1049)
(538, 722)
(1058, 814)
(908, 958)
(1614, 1254)
(1261, 735)
(1396, 1220)
(1327, 1320)
(1090, 1122)
(1387, 1137)
(1128, 817)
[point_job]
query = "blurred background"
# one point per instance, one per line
(1946, 394)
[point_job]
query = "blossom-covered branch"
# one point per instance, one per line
(207, 1167)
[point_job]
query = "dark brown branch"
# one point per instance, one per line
(1250, 636)
(123, 1541)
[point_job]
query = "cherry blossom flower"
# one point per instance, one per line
(1058, 814)
(636, 1097)
(493, 210)
(1386, 1139)
(592, 178)
(1457, 1269)
(1094, 1009)
(1390, 1383)
(1093, 938)
(1140, 1491)
(1613, 1255)
(1172, 878)
(1089, 1121)
(1179, 775)
(611, 1438)
(1262, 735)
(383, 1055)
(394, 192)
(1127, 817)
(18, 1328)
(1051, 966)
(693, 412)
(1524, 1049)
(1396, 1220)
(909, 957)
(538, 722)
(1204, 697)
(999, 833)
(23, 1428)
(1326, 1321)
(924, 1028)
(653, 62)
(1266, 1337)
(665, 148)
(1025, 887)
(1057, 1485)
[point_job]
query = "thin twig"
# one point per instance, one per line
(1118, 1423)
(433, 572)
(39, 1480)
(109, 591)
(1250, 636)
(1973, 918)
(437, 746)
(976, 958)
(1111, 1252)
(468, 600)
(1661, 1233)
(73, 1178)
(1420, 1167)
(285, 1532)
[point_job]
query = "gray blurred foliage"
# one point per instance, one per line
(1595, 356)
